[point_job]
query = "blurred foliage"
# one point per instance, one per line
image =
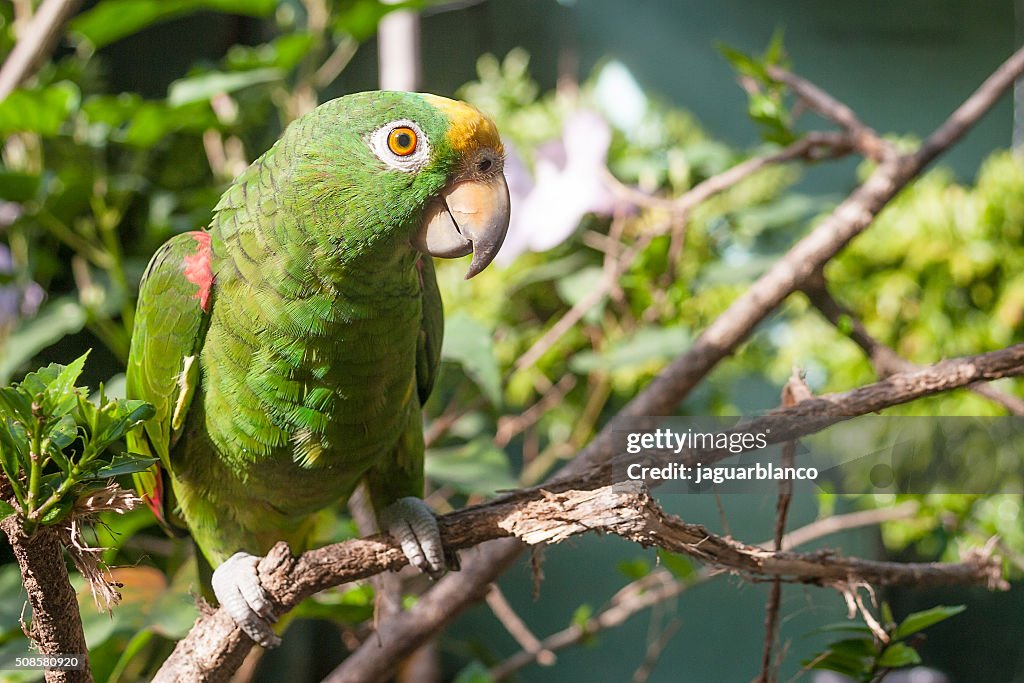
(97, 180)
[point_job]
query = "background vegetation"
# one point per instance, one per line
(103, 159)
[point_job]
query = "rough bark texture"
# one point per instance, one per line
(56, 623)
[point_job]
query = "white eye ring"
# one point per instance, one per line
(411, 162)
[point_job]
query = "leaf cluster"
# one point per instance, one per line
(53, 442)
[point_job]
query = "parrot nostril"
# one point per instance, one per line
(484, 165)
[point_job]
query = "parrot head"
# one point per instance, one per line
(399, 170)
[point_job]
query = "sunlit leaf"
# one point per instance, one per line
(203, 87)
(41, 111)
(918, 621)
(474, 672)
(112, 20)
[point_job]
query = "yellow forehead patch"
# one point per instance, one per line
(471, 129)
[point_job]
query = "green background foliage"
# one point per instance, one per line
(131, 132)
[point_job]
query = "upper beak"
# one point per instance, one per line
(469, 216)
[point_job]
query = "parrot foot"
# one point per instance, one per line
(414, 526)
(236, 584)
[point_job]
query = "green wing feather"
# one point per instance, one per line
(163, 367)
(428, 351)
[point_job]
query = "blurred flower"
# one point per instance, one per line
(16, 300)
(568, 182)
(620, 97)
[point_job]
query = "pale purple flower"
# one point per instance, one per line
(568, 182)
(16, 300)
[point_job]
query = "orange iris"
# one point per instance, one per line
(402, 141)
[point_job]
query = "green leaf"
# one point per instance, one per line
(359, 19)
(842, 626)
(155, 120)
(742, 62)
(59, 511)
(477, 467)
(636, 568)
(18, 187)
(581, 616)
(122, 463)
(284, 52)
(112, 20)
(853, 657)
(10, 608)
(679, 565)
(918, 621)
(111, 110)
(648, 344)
(775, 53)
(60, 396)
(201, 88)
(474, 672)
(471, 345)
(41, 111)
(15, 404)
(117, 421)
(6, 510)
(58, 319)
(579, 284)
(897, 655)
(13, 450)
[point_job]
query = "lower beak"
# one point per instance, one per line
(470, 216)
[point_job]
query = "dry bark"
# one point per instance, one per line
(56, 625)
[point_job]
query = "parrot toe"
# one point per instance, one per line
(236, 584)
(414, 526)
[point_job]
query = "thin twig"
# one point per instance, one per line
(864, 138)
(812, 147)
(654, 650)
(517, 628)
(795, 391)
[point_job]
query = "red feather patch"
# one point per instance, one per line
(198, 270)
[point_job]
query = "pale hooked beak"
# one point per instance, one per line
(469, 216)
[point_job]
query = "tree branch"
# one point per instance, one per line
(56, 623)
(660, 585)
(215, 646)
(35, 43)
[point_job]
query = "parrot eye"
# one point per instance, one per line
(402, 141)
(401, 145)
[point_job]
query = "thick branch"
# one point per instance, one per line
(56, 624)
(660, 585)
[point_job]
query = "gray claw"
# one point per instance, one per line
(414, 526)
(236, 583)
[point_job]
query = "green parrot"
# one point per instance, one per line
(289, 348)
